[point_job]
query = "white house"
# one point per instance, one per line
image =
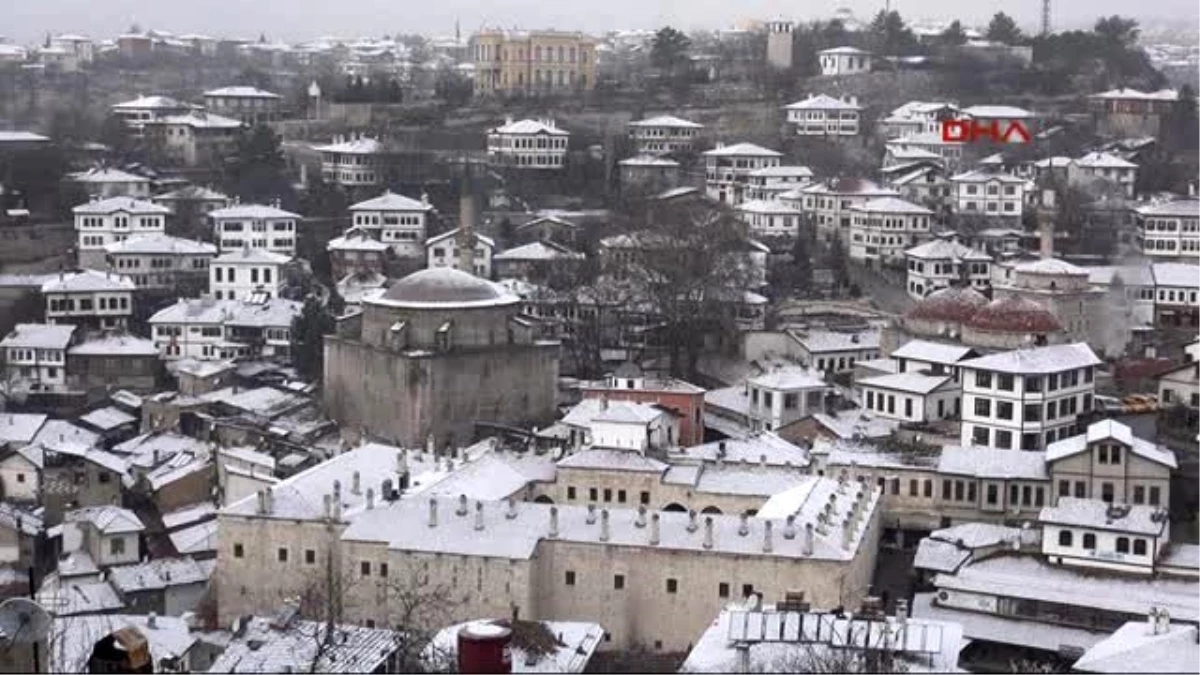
(37, 353)
(108, 221)
(89, 298)
(1180, 386)
(771, 218)
(528, 144)
(829, 202)
(401, 222)
(81, 47)
(831, 351)
(727, 169)
(109, 534)
(1102, 166)
(1026, 399)
(910, 397)
(917, 117)
(1170, 229)
(251, 105)
(995, 195)
(920, 182)
(142, 109)
(195, 138)
(208, 329)
(940, 263)
(784, 395)
(771, 182)
(161, 261)
(1109, 464)
(925, 146)
(663, 135)
(255, 226)
(882, 229)
(1099, 534)
(246, 273)
(933, 358)
(107, 182)
(822, 115)
(352, 162)
(442, 251)
(844, 61)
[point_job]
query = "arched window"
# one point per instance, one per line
(675, 508)
(1139, 547)
(711, 510)
(1089, 541)
(1066, 538)
(543, 499)
(1122, 544)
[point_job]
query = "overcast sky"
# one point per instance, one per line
(294, 20)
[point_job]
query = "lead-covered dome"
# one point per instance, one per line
(446, 287)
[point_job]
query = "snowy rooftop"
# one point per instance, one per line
(666, 121)
(856, 423)
(858, 187)
(262, 401)
(77, 598)
(198, 120)
(1049, 266)
(390, 201)
(530, 127)
(932, 352)
(39, 336)
(111, 175)
(985, 176)
(649, 160)
(741, 150)
(107, 419)
(1179, 208)
(107, 519)
(811, 641)
(152, 103)
(576, 642)
(1126, 93)
(788, 378)
(982, 462)
(19, 428)
(891, 205)
(188, 514)
(265, 649)
(824, 341)
(1104, 160)
(1100, 515)
(241, 91)
(1180, 275)
(1037, 360)
(748, 450)
(159, 244)
(352, 146)
(944, 249)
(1135, 648)
(195, 539)
(161, 573)
(537, 251)
(844, 453)
(115, 345)
(1005, 112)
(251, 256)
(822, 102)
(404, 525)
(252, 212)
(768, 206)
(745, 478)
(88, 281)
(1110, 429)
(910, 382)
(612, 459)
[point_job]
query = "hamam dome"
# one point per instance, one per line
(445, 287)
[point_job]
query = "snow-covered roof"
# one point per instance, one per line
(1037, 360)
(251, 256)
(911, 382)
(168, 638)
(755, 448)
(768, 206)
(20, 428)
(1110, 429)
(195, 310)
(856, 423)
(981, 462)
(108, 175)
(186, 515)
(107, 519)
(252, 211)
(262, 401)
(353, 146)
(891, 205)
(648, 160)
(537, 251)
(933, 352)
(1003, 112)
(301, 647)
(822, 102)
(853, 452)
(1055, 266)
(782, 171)
(121, 205)
(192, 192)
(22, 137)
(39, 336)
(742, 150)
(152, 103)
(1125, 93)
(107, 419)
(479, 238)
(160, 573)
(851, 51)
(243, 92)
(390, 201)
(78, 598)
(945, 249)
(88, 281)
(788, 378)
(977, 176)
(1130, 275)
(1180, 275)
(1104, 160)
(612, 459)
(1100, 515)
(195, 539)
(444, 288)
(939, 556)
(824, 341)
(1175, 208)
(667, 121)
(157, 243)
(198, 120)
(1136, 648)
(404, 525)
(576, 642)
(530, 127)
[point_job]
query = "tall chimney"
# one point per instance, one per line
(433, 511)
(356, 483)
(553, 534)
(466, 223)
(808, 539)
(641, 516)
(691, 525)
(604, 525)
(478, 515)
(744, 526)
(512, 508)
(767, 544)
(370, 498)
(847, 532)
(654, 529)
(462, 506)
(789, 527)
(591, 514)
(708, 532)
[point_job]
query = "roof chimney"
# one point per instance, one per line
(604, 525)
(808, 539)
(767, 544)
(152, 620)
(328, 503)
(641, 516)
(691, 524)
(370, 498)
(553, 534)
(512, 508)
(270, 497)
(744, 526)
(478, 516)
(789, 527)
(847, 532)
(433, 511)
(356, 483)
(708, 532)
(591, 514)
(462, 506)
(262, 502)
(654, 529)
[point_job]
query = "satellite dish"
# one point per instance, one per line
(23, 621)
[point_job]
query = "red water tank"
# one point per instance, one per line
(484, 647)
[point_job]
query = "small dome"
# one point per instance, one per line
(1015, 315)
(446, 287)
(954, 304)
(1050, 266)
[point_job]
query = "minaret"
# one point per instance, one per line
(466, 222)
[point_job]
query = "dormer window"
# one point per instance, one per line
(442, 337)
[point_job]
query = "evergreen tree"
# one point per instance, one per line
(954, 35)
(308, 338)
(1003, 29)
(802, 271)
(669, 51)
(257, 170)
